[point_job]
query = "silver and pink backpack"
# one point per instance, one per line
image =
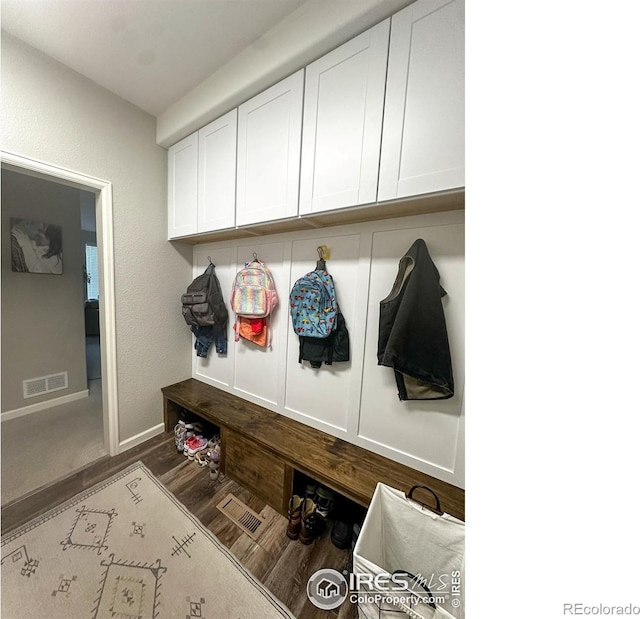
(253, 294)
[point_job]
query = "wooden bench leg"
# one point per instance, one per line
(171, 415)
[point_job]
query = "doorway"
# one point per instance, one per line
(91, 284)
(96, 322)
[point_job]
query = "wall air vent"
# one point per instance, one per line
(45, 384)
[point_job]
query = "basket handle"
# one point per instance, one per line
(436, 510)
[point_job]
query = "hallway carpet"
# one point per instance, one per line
(92, 347)
(43, 447)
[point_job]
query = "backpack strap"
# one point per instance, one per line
(268, 321)
(330, 345)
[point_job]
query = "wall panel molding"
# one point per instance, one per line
(355, 401)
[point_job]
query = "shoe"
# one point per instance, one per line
(180, 430)
(201, 458)
(308, 526)
(193, 445)
(310, 492)
(341, 534)
(295, 513)
(183, 431)
(214, 463)
(189, 437)
(325, 501)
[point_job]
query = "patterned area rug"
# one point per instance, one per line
(126, 549)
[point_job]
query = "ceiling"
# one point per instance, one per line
(149, 52)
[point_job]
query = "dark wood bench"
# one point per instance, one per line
(261, 450)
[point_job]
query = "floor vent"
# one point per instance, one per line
(241, 515)
(45, 384)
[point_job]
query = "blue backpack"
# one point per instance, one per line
(313, 305)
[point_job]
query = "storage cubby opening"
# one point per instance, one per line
(209, 430)
(344, 509)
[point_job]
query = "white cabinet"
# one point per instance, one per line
(269, 134)
(183, 187)
(202, 179)
(342, 126)
(383, 120)
(217, 173)
(423, 129)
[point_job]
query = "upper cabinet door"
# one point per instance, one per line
(269, 134)
(343, 106)
(423, 130)
(217, 173)
(183, 187)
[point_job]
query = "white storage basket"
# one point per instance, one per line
(402, 536)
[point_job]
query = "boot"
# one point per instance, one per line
(295, 511)
(342, 534)
(308, 529)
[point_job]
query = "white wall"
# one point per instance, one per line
(53, 114)
(356, 401)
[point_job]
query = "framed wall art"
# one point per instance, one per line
(36, 246)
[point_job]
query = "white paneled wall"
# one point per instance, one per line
(258, 371)
(218, 369)
(335, 382)
(356, 401)
(424, 430)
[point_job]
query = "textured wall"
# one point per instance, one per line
(53, 114)
(42, 313)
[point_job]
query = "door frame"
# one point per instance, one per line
(104, 231)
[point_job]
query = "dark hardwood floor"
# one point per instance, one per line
(283, 565)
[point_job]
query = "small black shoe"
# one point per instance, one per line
(325, 501)
(341, 534)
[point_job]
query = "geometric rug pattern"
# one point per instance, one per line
(126, 549)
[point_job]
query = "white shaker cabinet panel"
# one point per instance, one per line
(269, 135)
(423, 129)
(342, 128)
(217, 173)
(183, 187)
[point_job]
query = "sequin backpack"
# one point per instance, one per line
(253, 294)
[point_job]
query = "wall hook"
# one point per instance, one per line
(323, 253)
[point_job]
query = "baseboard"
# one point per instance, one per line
(140, 438)
(41, 406)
